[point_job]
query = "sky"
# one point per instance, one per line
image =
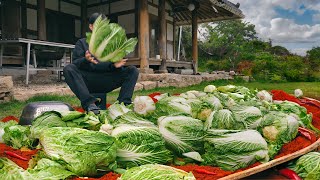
(293, 24)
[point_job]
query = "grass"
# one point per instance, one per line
(310, 89)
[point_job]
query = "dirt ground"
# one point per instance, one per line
(38, 85)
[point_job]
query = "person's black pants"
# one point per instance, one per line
(83, 83)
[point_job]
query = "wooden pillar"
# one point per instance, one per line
(24, 18)
(195, 40)
(162, 39)
(174, 39)
(84, 23)
(41, 15)
(10, 19)
(10, 26)
(144, 36)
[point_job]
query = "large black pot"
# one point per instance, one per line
(35, 109)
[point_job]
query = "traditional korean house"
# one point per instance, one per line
(154, 22)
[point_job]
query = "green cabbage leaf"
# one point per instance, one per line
(108, 41)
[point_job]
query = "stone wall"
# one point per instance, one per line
(6, 88)
(150, 81)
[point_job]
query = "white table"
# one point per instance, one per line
(30, 42)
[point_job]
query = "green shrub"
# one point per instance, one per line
(218, 65)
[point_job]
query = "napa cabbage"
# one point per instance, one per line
(18, 136)
(182, 133)
(308, 166)
(133, 119)
(117, 109)
(45, 170)
(193, 94)
(299, 112)
(143, 105)
(108, 41)
(156, 172)
(210, 88)
(139, 145)
(298, 93)
(3, 125)
(278, 128)
(213, 100)
(63, 119)
(264, 96)
(171, 105)
(81, 151)
(234, 149)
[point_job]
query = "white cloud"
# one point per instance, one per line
(283, 31)
(299, 51)
(316, 18)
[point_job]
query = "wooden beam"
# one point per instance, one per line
(162, 35)
(84, 23)
(144, 35)
(41, 14)
(195, 40)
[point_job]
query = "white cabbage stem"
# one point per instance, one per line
(143, 105)
(298, 93)
(264, 96)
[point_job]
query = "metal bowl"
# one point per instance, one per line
(35, 109)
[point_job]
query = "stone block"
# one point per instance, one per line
(161, 84)
(152, 77)
(6, 83)
(209, 77)
(138, 87)
(190, 80)
(173, 78)
(148, 84)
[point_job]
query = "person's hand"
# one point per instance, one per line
(121, 63)
(90, 58)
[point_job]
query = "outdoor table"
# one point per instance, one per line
(30, 42)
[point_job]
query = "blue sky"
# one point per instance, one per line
(294, 24)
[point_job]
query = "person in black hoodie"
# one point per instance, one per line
(86, 75)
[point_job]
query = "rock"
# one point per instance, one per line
(6, 88)
(6, 83)
(138, 87)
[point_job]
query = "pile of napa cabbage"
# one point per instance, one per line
(229, 126)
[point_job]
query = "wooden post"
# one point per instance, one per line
(162, 35)
(144, 36)
(24, 18)
(195, 40)
(11, 25)
(10, 19)
(174, 39)
(41, 14)
(84, 24)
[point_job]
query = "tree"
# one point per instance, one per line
(228, 38)
(313, 56)
(279, 50)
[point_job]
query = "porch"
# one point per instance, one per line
(154, 22)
